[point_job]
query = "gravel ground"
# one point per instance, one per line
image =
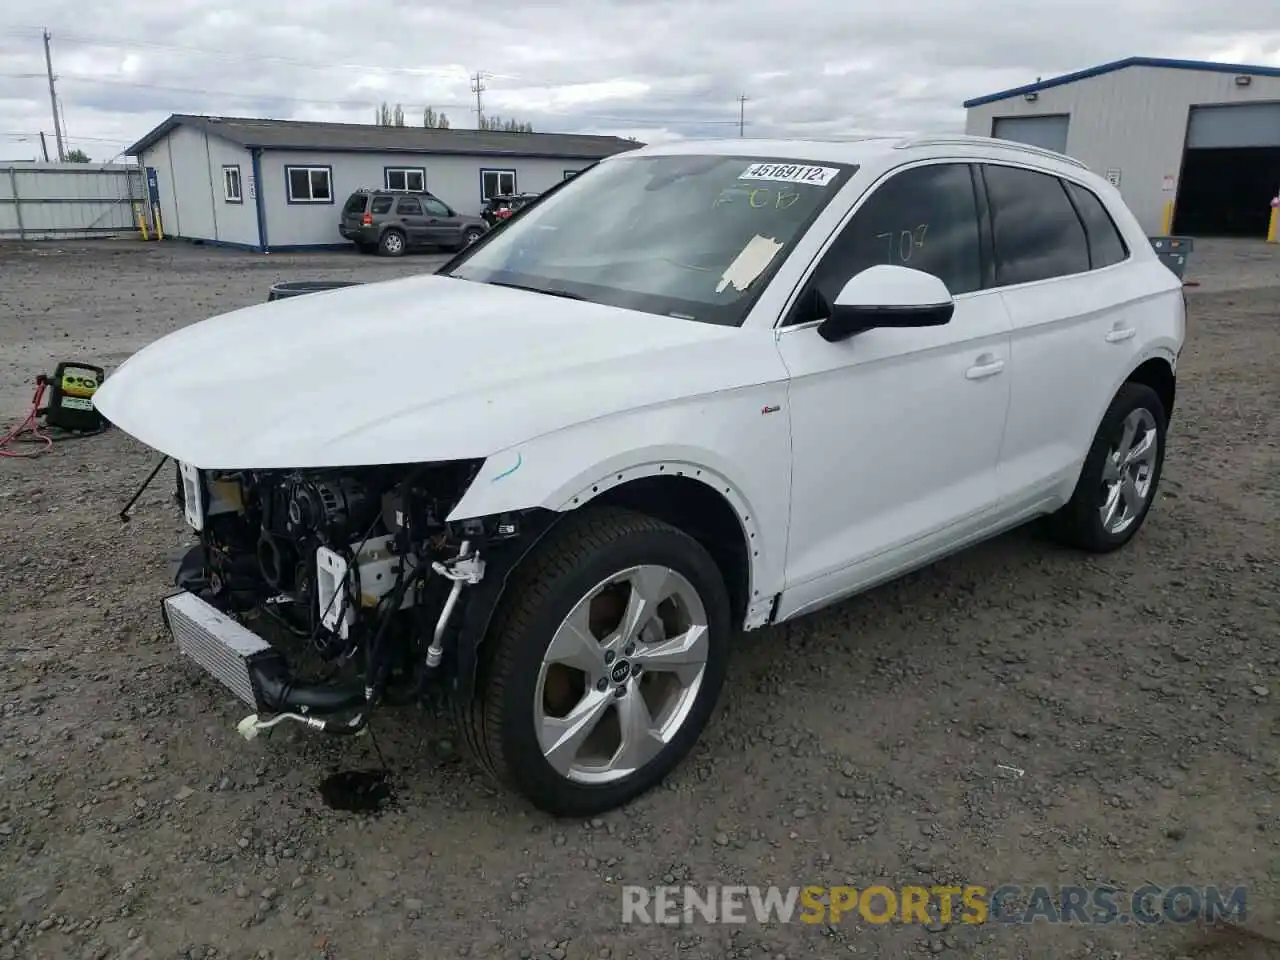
(867, 744)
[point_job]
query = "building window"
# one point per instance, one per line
(570, 174)
(412, 179)
(231, 183)
(309, 184)
(497, 183)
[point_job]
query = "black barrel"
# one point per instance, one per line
(296, 288)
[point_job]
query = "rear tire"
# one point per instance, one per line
(558, 672)
(1120, 476)
(392, 244)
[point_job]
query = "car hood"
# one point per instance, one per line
(415, 370)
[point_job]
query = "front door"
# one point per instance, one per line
(895, 432)
(443, 229)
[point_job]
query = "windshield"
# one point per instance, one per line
(688, 236)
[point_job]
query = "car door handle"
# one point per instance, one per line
(987, 366)
(1120, 334)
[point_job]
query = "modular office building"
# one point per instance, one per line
(280, 184)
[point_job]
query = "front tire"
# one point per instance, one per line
(1120, 476)
(604, 663)
(470, 236)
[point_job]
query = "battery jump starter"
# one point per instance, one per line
(69, 410)
(71, 390)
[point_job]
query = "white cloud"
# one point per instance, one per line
(653, 69)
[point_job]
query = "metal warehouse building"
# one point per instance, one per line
(279, 184)
(1194, 147)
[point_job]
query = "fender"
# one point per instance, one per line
(1163, 348)
(726, 442)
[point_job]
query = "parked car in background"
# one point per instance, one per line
(392, 222)
(703, 388)
(501, 207)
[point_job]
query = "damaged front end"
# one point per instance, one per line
(357, 570)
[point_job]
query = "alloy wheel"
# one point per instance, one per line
(621, 674)
(1127, 472)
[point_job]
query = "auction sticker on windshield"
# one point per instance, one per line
(790, 173)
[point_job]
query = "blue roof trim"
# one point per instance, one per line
(1205, 65)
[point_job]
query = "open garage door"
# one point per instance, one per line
(1230, 171)
(1048, 131)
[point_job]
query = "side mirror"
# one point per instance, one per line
(887, 296)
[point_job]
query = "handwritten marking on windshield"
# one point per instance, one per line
(749, 264)
(760, 198)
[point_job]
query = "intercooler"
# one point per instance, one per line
(218, 643)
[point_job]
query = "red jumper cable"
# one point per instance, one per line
(29, 430)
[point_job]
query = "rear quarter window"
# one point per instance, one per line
(1106, 245)
(381, 204)
(355, 203)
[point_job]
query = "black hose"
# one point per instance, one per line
(280, 692)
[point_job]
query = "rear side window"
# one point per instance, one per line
(1106, 245)
(409, 206)
(1036, 231)
(381, 204)
(355, 203)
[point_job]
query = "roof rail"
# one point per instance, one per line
(959, 139)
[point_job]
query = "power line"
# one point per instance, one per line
(110, 41)
(478, 86)
(328, 67)
(240, 95)
(29, 135)
(354, 104)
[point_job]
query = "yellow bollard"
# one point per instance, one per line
(155, 210)
(1273, 227)
(1166, 221)
(142, 222)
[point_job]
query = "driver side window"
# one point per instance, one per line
(925, 218)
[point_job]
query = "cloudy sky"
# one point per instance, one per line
(645, 68)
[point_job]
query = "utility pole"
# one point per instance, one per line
(742, 113)
(53, 99)
(44, 147)
(477, 87)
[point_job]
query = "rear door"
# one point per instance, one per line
(1065, 288)
(409, 213)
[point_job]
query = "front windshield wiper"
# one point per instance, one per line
(550, 293)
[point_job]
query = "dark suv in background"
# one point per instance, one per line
(392, 222)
